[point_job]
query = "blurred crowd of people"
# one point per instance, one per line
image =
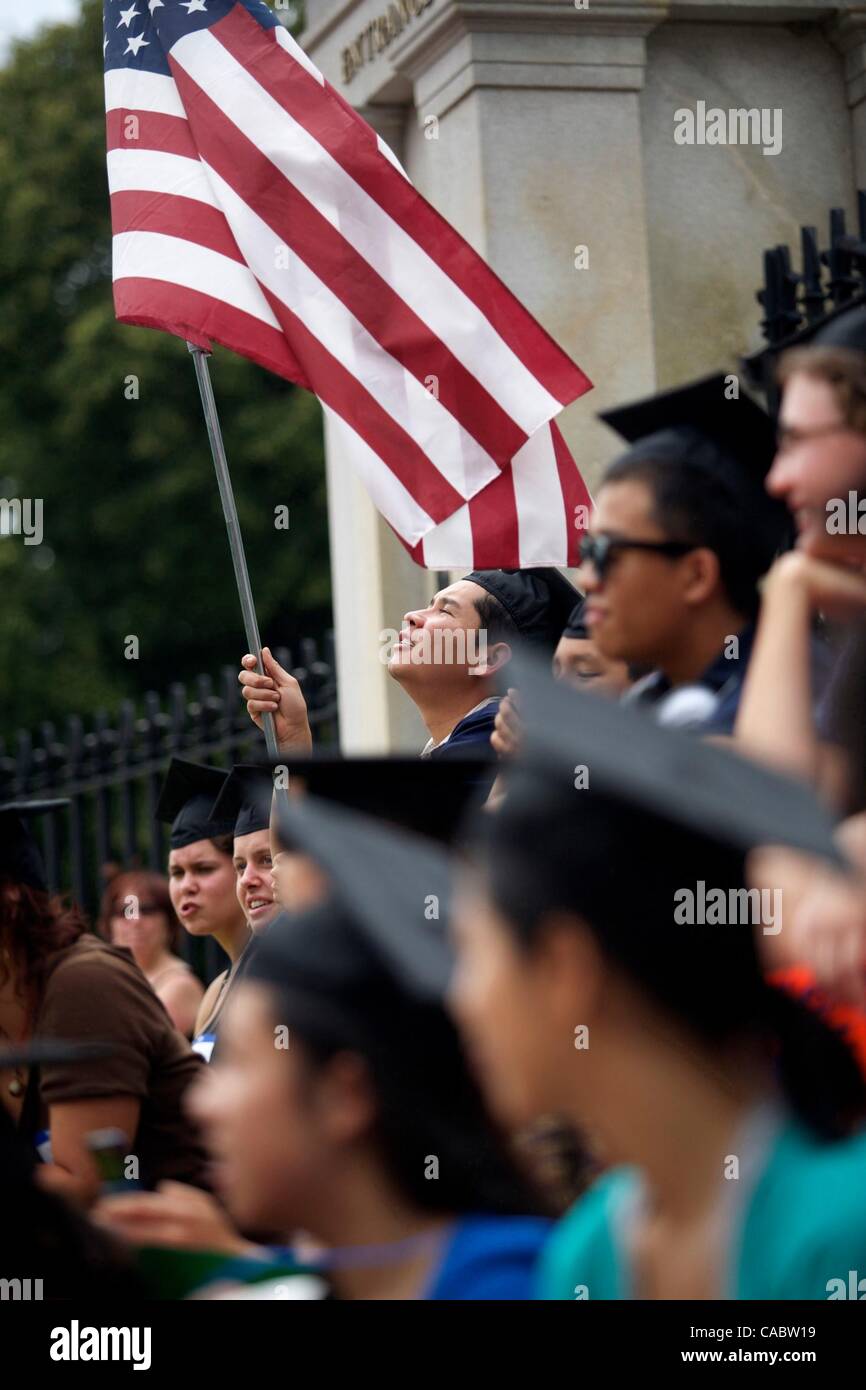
(571, 1004)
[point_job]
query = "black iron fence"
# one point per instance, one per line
(795, 303)
(111, 767)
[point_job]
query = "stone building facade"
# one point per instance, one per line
(622, 166)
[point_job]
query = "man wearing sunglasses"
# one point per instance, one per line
(681, 533)
(447, 657)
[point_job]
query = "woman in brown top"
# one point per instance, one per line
(137, 912)
(57, 981)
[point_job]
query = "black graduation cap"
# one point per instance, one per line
(670, 775)
(576, 627)
(538, 601)
(845, 330)
(20, 856)
(844, 326)
(53, 1052)
(700, 425)
(186, 801)
(425, 795)
(393, 889)
(246, 799)
(367, 971)
(316, 958)
(331, 982)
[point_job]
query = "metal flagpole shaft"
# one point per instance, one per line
(233, 526)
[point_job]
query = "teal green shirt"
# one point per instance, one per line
(797, 1229)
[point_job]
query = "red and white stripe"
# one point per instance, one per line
(534, 513)
(253, 207)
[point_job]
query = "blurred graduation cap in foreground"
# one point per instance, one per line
(427, 796)
(668, 775)
(366, 971)
(393, 893)
(538, 600)
(37, 1052)
(845, 330)
(186, 803)
(842, 327)
(20, 856)
(245, 798)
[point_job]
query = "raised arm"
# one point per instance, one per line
(775, 722)
(276, 692)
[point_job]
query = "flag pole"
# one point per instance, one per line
(233, 526)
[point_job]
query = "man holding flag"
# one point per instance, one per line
(251, 205)
(447, 657)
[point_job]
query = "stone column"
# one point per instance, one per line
(527, 137)
(520, 123)
(849, 35)
(373, 581)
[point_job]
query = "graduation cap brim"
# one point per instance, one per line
(186, 802)
(738, 426)
(425, 795)
(666, 773)
(842, 330)
(836, 329)
(183, 781)
(245, 798)
(395, 887)
(36, 808)
(53, 1052)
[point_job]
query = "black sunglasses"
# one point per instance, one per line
(598, 551)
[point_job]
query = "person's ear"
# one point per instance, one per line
(702, 575)
(495, 658)
(346, 1099)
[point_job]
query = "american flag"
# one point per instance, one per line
(252, 206)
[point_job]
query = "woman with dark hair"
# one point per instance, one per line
(202, 879)
(137, 912)
(57, 981)
(593, 980)
(365, 1133)
(342, 1105)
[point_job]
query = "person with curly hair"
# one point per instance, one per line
(58, 981)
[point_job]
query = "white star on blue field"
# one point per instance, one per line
(22, 19)
(140, 33)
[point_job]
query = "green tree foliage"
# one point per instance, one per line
(134, 541)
